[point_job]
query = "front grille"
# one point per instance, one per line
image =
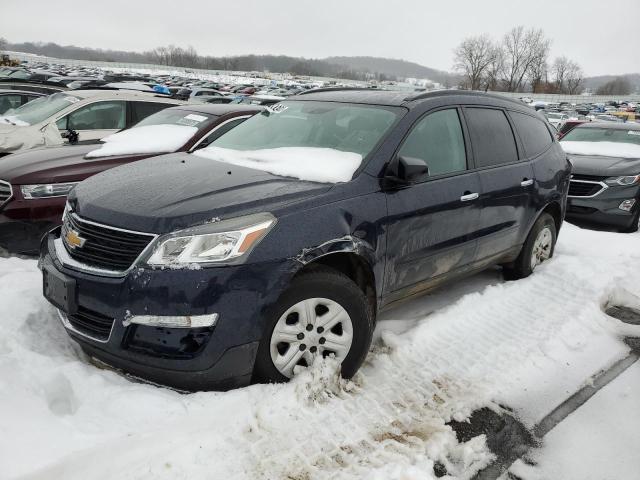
(5, 192)
(91, 324)
(583, 188)
(102, 246)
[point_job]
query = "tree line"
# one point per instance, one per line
(517, 62)
(176, 56)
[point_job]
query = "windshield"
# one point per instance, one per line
(42, 108)
(176, 116)
(603, 135)
(323, 125)
(311, 141)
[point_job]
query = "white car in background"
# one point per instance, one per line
(85, 116)
(556, 119)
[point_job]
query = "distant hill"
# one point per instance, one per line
(592, 83)
(393, 67)
(354, 68)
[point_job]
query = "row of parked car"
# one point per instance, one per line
(206, 246)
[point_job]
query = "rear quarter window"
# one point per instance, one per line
(534, 134)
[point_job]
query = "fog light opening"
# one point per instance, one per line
(627, 205)
(172, 321)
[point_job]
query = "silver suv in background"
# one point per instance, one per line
(83, 116)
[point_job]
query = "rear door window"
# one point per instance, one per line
(141, 110)
(491, 137)
(533, 133)
(437, 139)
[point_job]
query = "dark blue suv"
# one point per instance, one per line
(282, 240)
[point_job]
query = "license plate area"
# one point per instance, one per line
(59, 289)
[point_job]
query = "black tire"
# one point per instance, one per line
(321, 283)
(521, 267)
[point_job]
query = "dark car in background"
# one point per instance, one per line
(282, 240)
(605, 182)
(34, 184)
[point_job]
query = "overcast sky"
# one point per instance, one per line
(601, 35)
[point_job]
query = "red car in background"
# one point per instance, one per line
(34, 184)
(567, 126)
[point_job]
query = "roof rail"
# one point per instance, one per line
(333, 89)
(435, 93)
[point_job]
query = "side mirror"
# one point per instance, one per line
(406, 170)
(71, 136)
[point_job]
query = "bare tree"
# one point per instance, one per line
(567, 76)
(492, 77)
(522, 49)
(3, 43)
(575, 78)
(472, 58)
(617, 86)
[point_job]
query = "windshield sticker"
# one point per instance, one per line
(634, 132)
(277, 108)
(191, 120)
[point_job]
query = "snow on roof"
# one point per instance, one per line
(145, 139)
(602, 149)
(324, 165)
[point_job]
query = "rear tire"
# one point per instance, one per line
(294, 333)
(538, 248)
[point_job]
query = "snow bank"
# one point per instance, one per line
(602, 149)
(145, 139)
(527, 344)
(324, 165)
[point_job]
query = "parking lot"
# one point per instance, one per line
(524, 369)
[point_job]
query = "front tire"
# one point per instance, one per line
(538, 248)
(323, 313)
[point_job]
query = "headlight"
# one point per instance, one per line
(211, 243)
(624, 181)
(46, 190)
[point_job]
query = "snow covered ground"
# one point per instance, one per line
(598, 441)
(526, 345)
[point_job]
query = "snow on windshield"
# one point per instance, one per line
(146, 139)
(602, 149)
(324, 165)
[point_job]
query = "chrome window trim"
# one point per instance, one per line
(592, 182)
(68, 261)
(192, 149)
(3, 203)
(67, 324)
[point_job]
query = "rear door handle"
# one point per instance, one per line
(467, 197)
(526, 182)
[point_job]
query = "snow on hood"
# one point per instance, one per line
(324, 165)
(13, 139)
(145, 139)
(602, 149)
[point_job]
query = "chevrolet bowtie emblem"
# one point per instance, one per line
(74, 240)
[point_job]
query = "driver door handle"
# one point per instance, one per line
(527, 182)
(467, 197)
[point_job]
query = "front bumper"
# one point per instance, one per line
(24, 222)
(217, 357)
(603, 209)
